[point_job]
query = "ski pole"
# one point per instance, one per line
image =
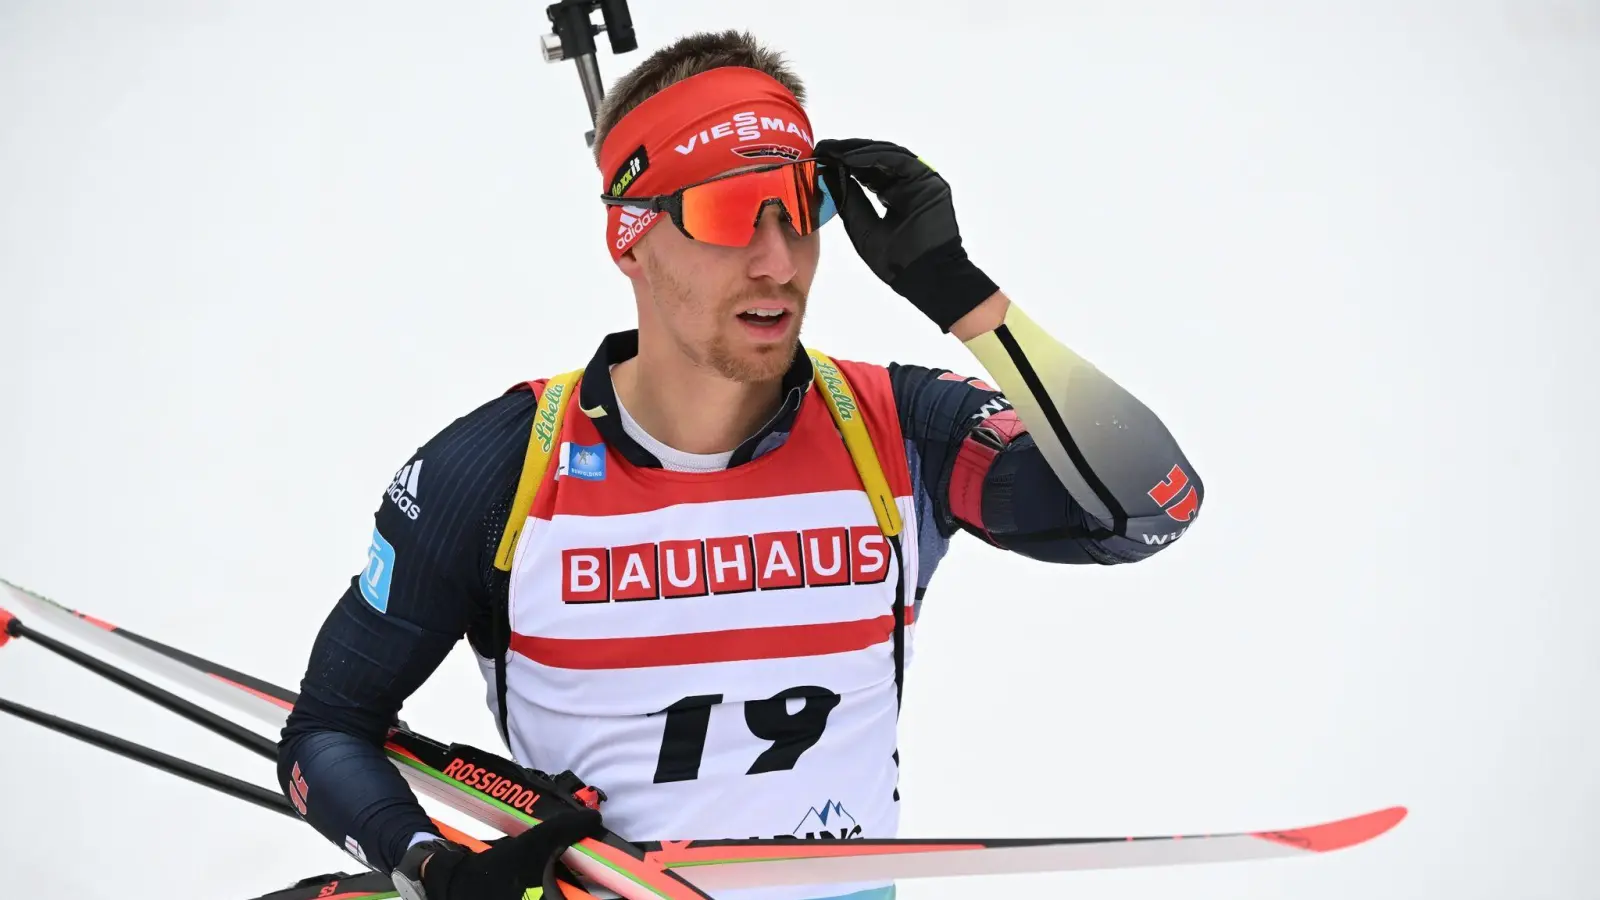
(165, 762)
(166, 699)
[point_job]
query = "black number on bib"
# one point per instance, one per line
(793, 733)
(683, 740)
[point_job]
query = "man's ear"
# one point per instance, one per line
(629, 263)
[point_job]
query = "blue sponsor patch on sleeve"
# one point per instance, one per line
(380, 570)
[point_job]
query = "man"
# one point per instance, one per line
(706, 608)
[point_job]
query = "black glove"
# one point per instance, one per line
(916, 248)
(510, 865)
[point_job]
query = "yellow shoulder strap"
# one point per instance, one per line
(842, 403)
(541, 445)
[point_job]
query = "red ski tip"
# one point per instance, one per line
(1332, 836)
(98, 623)
(275, 701)
(6, 618)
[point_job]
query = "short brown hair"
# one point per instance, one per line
(685, 58)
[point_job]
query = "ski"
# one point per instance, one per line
(713, 865)
(495, 791)
(205, 718)
(261, 702)
(723, 865)
(371, 886)
(610, 861)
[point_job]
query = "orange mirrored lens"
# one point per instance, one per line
(724, 211)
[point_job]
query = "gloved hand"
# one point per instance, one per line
(510, 865)
(916, 248)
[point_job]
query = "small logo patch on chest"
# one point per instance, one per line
(586, 461)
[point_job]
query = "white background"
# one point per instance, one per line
(251, 254)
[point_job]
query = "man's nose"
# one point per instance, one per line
(771, 254)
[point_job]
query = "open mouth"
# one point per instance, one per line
(762, 317)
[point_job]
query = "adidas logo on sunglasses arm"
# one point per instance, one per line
(634, 221)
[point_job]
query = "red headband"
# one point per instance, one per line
(695, 129)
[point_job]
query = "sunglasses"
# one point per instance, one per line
(724, 210)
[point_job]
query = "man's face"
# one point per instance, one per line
(718, 303)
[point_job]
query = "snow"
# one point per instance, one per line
(252, 254)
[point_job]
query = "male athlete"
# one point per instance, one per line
(704, 603)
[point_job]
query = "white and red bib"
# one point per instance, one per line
(715, 650)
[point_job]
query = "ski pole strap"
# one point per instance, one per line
(541, 446)
(835, 389)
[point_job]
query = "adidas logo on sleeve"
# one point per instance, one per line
(403, 489)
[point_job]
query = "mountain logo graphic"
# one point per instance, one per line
(831, 822)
